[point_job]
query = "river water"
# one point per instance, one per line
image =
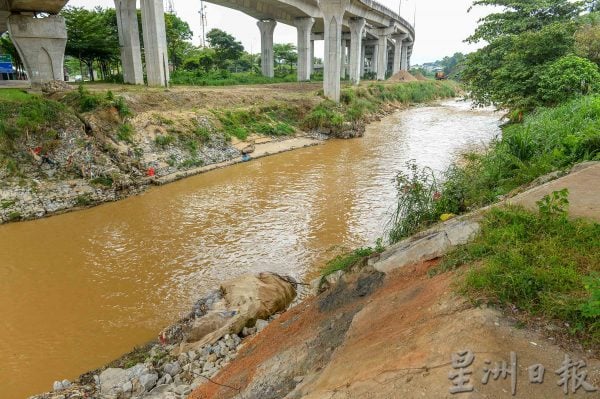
(79, 289)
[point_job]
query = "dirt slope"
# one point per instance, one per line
(387, 337)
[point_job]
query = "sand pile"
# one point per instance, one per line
(402, 76)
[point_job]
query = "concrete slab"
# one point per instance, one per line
(584, 193)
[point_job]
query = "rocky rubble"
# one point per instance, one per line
(190, 352)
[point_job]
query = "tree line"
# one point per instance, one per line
(537, 53)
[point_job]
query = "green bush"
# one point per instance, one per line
(568, 77)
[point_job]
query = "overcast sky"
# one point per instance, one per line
(441, 25)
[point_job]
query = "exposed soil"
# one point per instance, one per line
(402, 76)
(392, 339)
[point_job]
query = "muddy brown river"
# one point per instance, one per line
(80, 289)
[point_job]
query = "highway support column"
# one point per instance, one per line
(129, 42)
(41, 43)
(267, 60)
(357, 29)
(333, 18)
(305, 47)
(155, 43)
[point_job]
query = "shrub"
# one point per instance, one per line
(416, 206)
(568, 77)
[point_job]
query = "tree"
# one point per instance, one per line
(587, 38)
(226, 48)
(285, 54)
(178, 34)
(7, 46)
(522, 40)
(92, 37)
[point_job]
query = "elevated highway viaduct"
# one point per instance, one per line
(358, 35)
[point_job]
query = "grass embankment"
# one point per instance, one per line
(357, 103)
(537, 265)
(23, 115)
(542, 264)
(224, 78)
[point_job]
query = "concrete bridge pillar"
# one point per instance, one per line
(267, 60)
(312, 57)
(404, 61)
(129, 41)
(357, 28)
(155, 42)
(398, 39)
(382, 52)
(333, 18)
(305, 47)
(344, 70)
(375, 59)
(41, 44)
(363, 55)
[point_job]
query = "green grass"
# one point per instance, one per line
(544, 265)
(358, 102)
(346, 261)
(26, 115)
(550, 139)
(273, 120)
(125, 133)
(220, 78)
(102, 181)
(14, 95)
(164, 140)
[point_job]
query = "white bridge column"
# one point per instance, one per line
(129, 41)
(363, 53)
(382, 52)
(267, 60)
(41, 44)
(304, 27)
(312, 57)
(398, 39)
(333, 18)
(357, 28)
(155, 42)
(404, 61)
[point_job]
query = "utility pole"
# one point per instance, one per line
(400, 9)
(203, 23)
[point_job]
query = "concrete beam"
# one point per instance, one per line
(303, 27)
(41, 44)
(333, 18)
(267, 60)
(357, 27)
(155, 42)
(129, 41)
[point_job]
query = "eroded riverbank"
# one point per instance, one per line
(97, 282)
